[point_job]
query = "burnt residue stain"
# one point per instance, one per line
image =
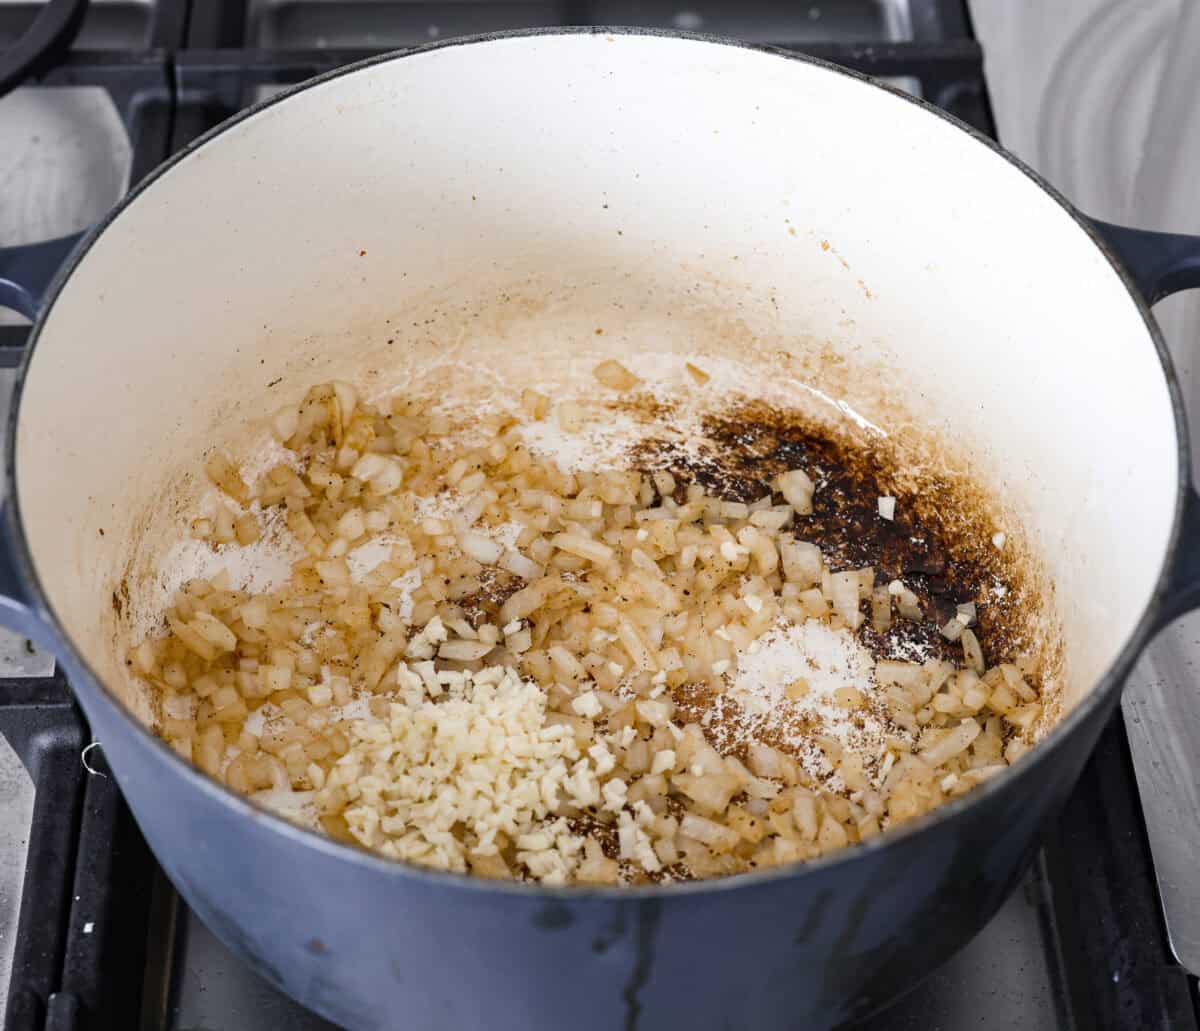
(553, 916)
(120, 597)
(600, 830)
(611, 934)
(938, 544)
(730, 730)
(649, 914)
(848, 940)
(604, 832)
(812, 921)
(316, 946)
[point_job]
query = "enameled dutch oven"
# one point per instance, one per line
(533, 185)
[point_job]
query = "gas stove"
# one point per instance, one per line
(92, 935)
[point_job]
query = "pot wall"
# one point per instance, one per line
(528, 179)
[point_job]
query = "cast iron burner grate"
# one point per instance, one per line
(103, 940)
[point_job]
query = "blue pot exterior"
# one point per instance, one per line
(374, 945)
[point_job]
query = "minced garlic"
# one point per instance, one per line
(510, 686)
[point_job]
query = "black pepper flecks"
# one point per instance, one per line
(496, 586)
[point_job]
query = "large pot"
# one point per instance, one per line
(548, 180)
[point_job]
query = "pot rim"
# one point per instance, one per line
(1096, 697)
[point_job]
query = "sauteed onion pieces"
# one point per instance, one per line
(484, 663)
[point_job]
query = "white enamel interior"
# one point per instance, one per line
(512, 195)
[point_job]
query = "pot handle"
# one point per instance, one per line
(1161, 264)
(17, 611)
(26, 272)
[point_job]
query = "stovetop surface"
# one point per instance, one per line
(91, 933)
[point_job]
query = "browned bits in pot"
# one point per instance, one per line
(716, 655)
